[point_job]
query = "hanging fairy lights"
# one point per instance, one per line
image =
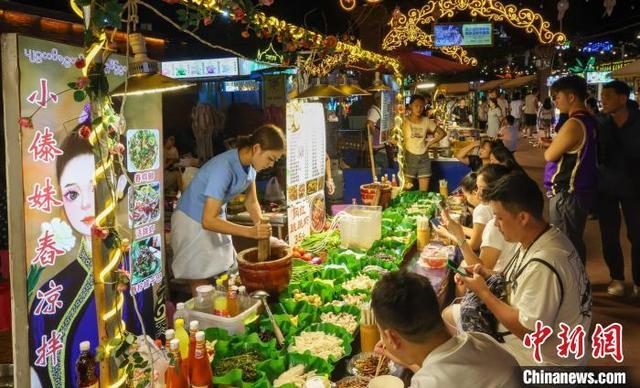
(407, 28)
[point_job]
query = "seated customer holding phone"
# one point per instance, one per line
(413, 335)
(546, 279)
(494, 250)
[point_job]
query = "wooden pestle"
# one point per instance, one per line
(264, 245)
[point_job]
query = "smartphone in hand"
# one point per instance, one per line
(452, 265)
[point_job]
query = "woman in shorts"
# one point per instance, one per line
(420, 133)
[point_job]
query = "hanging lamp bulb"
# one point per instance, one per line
(144, 77)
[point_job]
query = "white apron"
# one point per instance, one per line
(198, 253)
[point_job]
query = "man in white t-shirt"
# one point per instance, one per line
(503, 104)
(413, 335)
(381, 153)
(531, 111)
(516, 106)
(547, 281)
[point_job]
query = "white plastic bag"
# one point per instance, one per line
(273, 192)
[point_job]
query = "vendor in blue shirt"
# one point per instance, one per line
(200, 232)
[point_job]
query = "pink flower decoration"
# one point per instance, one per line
(84, 132)
(25, 122)
(82, 82)
(117, 149)
(99, 232)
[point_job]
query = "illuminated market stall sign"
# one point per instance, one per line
(463, 34)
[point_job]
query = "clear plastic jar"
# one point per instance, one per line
(204, 299)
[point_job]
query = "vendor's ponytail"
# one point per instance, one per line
(269, 136)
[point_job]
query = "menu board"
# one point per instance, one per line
(58, 179)
(145, 204)
(198, 68)
(387, 116)
(305, 169)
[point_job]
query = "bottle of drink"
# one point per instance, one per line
(180, 313)
(86, 367)
(386, 178)
(233, 304)
(201, 375)
(394, 180)
(220, 300)
(183, 336)
(176, 374)
(193, 329)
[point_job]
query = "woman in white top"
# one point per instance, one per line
(420, 133)
(545, 117)
(494, 250)
(482, 213)
(494, 118)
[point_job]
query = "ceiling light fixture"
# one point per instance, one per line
(144, 77)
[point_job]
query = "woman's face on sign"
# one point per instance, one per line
(76, 184)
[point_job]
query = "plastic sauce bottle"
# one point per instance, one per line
(193, 329)
(180, 313)
(233, 304)
(176, 374)
(169, 334)
(201, 375)
(220, 300)
(86, 367)
(183, 336)
(394, 180)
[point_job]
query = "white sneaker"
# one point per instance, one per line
(616, 288)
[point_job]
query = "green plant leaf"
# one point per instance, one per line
(79, 95)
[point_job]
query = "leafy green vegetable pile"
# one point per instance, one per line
(238, 359)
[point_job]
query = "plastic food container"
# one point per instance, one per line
(386, 382)
(235, 325)
(360, 226)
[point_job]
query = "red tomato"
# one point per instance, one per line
(307, 256)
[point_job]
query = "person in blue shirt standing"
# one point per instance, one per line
(201, 234)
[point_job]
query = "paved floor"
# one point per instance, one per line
(606, 308)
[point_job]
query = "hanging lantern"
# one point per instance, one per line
(563, 6)
(608, 7)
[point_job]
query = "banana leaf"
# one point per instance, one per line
(347, 308)
(303, 271)
(328, 329)
(390, 266)
(293, 307)
(310, 362)
(341, 290)
(272, 365)
(320, 287)
(351, 260)
(286, 325)
(336, 274)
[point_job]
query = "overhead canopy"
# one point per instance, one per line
(455, 88)
(630, 71)
(414, 62)
(491, 84)
(520, 81)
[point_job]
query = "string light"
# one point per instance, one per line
(406, 28)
